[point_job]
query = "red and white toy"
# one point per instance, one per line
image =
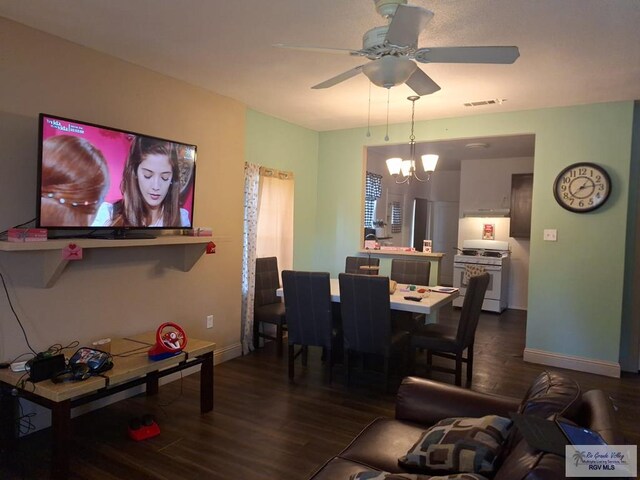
(170, 341)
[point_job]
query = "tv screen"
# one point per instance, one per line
(96, 177)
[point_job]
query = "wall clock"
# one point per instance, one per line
(582, 187)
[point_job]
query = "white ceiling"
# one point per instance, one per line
(571, 51)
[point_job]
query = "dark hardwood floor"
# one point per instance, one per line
(264, 427)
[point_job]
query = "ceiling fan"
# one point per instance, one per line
(393, 51)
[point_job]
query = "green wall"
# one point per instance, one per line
(277, 144)
(575, 284)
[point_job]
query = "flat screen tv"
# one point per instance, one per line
(92, 177)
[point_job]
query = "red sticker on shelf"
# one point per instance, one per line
(72, 252)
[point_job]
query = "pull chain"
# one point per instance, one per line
(369, 113)
(386, 137)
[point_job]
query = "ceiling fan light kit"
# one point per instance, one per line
(389, 71)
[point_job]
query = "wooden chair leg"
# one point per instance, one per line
(469, 364)
(386, 373)
(256, 335)
(429, 359)
(279, 337)
(411, 361)
(329, 356)
(459, 369)
(346, 368)
(292, 358)
(305, 355)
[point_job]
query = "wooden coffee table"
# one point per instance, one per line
(131, 367)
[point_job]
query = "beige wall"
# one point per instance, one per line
(118, 291)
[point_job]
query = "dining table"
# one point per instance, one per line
(432, 298)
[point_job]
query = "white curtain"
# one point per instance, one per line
(275, 221)
(250, 236)
(268, 231)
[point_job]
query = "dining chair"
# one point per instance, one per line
(310, 319)
(267, 306)
(451, 342)
(411, 272)
(353, 264)
(366, 321)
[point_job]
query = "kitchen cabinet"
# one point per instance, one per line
(521, 196)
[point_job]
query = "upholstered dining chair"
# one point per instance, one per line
(412, 272)
(353, 264)
(267, 306)
(366, 321)
(310, 319)
(451, 342)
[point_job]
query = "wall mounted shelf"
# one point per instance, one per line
(53, 263)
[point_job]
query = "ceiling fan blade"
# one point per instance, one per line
(310, 48)
(467, 55)
(407, 24)
(339, 78)
(421, 83)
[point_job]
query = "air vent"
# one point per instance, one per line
(496, 101)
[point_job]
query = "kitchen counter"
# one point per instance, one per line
(403, 253)
(386, 256)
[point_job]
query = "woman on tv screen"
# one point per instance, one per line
(150, 189)
(75, 180)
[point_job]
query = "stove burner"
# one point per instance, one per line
(468, 251)
(480, 253)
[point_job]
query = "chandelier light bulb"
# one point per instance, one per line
(429, 162)
(393, 165)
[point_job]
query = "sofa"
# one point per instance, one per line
(421, 403)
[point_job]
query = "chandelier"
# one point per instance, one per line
(405, 170)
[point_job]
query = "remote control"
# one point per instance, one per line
(413, 299)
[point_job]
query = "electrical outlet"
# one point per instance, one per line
(550, 235)
(209, 321)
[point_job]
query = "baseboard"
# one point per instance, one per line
(517, 307)
(581, 364)
(42, 419)
(227, 353)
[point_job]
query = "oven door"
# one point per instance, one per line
(495, 279)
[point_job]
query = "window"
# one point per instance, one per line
(372, 192)
(396, 217)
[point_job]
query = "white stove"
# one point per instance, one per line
(493, 256)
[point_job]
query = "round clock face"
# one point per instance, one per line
(582, 187)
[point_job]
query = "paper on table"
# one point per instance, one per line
(440, 289)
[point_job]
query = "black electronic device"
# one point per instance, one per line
(43, 367)
(553, 435)
(102, 178)
(96, 360)
(73, 373)
(413, 299)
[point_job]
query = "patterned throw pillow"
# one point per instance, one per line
(459, 445)
(377, 475)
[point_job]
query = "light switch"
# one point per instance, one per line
(550, 235)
